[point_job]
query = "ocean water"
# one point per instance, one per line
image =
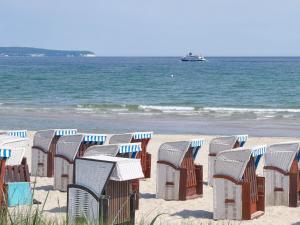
(160, 93)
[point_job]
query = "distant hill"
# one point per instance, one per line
(39, 52)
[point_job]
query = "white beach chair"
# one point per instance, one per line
(67, 149)
(282, 174)
(221, 144)
(140, 137)
(18, 147)
(238, 191)
(43, 150)
(178, 177)
(101, 193)
(4, 155)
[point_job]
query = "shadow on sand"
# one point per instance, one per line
(58, 210)
(147, 195)
(44, 188)
(194, 213)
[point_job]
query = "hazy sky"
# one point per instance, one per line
(154, 27)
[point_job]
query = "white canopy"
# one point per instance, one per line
(232, 162)
(18, 147)
(125, 169)
(282, 155)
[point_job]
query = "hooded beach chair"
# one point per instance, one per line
(281, 172)
(239, 194)
(101, 193)
(178, 177)
(16, 166)
(43, 150)
(140, 137)
(4, 155)
(67, 149)
(221, 144)
(119, 150)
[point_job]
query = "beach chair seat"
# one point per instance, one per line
(178, 177)
(43, 150)
(281, 171)
(221, 144)
(137, 137)
(108, 200)
(239, 194)
(68, 148)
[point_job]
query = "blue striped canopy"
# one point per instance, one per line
(5, 153)
(197, 143)
(131, 147)
(95, 138)
(142, 135)
(242, 138)
(63, 132)
(259, 150)
(17, 133)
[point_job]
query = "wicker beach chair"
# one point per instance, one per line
(4, 155)
(16, 166)
(238, 191)
(119, 150)
(108, 200)
(67, 149)
(221, 144)
(282, 173)
(178, 177)
(137, 137)
(43, 150)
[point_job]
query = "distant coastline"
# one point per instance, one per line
(39, 52)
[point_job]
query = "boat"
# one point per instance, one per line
(192, 58)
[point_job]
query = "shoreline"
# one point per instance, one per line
(160, 124)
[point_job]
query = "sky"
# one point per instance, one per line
(154, 27)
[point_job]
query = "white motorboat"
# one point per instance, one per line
(193, 58)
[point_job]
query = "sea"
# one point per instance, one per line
(223, 95)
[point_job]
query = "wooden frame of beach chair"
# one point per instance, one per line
(43, 150)
(67, 149)
(178, 177)
(282, 174)
(104, 201)
(239, 194)
(4, 155)
(137, 137)
(125, 150)
(219, 144)
(16, 166)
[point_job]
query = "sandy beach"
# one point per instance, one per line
(196, 211)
